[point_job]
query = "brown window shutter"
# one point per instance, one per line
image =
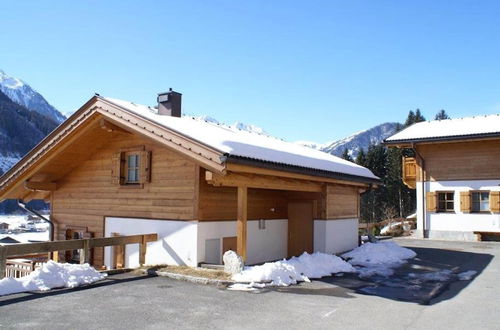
(465, 201)
(145, 166)
(495, 201)
(431, 202)
(117, 165)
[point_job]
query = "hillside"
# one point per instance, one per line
(20, 130)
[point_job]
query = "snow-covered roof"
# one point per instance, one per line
(234, 142)
(449, 129)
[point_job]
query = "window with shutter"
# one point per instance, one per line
(131, 167)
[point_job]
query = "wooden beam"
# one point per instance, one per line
(261, 182)
(40, 186)
(110, 127)
(264, 171)
(241, 223)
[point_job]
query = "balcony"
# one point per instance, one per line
(409, 168)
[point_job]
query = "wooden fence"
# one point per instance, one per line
(84, 245)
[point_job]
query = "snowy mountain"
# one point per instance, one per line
(237, 125)
(363, 139)
(20, 130)
(22, 94)
(356, 141)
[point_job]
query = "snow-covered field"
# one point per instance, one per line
(16, 222)
(52, 275)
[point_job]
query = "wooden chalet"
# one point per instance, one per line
(455, 169)
(116, 167)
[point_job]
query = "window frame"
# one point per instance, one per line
(472, 192)
(137, 168)
(446, 201)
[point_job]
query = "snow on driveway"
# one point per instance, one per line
(296, 269)
(52, 275)
(378, 258)
(369, 259)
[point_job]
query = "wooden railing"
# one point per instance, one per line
(84, 245)
(16, 268)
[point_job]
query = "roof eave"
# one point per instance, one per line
(442, 139)
(300, 169)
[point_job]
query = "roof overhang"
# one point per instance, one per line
(13, 182)
(452, 138)
(18, 182)
(319, 174)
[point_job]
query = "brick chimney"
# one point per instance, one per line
(169, 103)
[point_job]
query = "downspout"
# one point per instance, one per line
(26, 208)
(423, 174)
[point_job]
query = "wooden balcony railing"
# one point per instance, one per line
(409, 168)
(84, 245)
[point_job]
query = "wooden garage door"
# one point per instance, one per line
(300, 228)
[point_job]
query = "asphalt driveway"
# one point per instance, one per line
(128, 301)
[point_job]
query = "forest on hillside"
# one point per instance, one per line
(392, 199)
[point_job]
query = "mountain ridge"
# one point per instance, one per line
(23, 94)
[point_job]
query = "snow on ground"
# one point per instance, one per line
(52, 275)
(28, 237)
(386, 229)
(467, 276)
(378, 258)
(296, 269)
(439, 276)
(20, 222)
(369, 259)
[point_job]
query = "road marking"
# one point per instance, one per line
(329, 313)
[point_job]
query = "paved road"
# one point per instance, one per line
(127, 301)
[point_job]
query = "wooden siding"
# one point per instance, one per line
(87, 194)
(474, 160)
(220, 203)
(341, 202)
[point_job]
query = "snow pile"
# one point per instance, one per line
(286, 272)
(52, 275)
(378, 258)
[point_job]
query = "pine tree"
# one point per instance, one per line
(361, 158)
(346, 155)
(410, 120)
(418, 116)
(441, 115)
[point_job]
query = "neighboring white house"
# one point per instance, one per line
(456, 173)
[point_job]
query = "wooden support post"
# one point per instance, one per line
(3, 262)
(118, 254)
(55, 256)
(142, 251)
(85, 252)
(241, 231)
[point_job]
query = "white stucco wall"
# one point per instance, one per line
(176, 244)
(458, 225)
(335, 236)
(183, 242)
(262, 244)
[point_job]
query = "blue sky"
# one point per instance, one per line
(317, 70)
